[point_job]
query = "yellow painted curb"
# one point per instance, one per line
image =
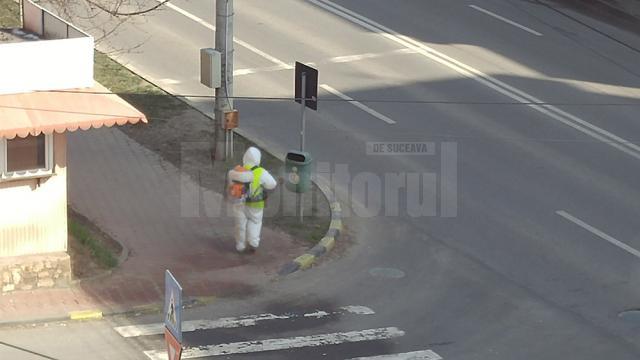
(305, 261)
(336, 224)
(328, 242)
(85, 315)
(335, 206)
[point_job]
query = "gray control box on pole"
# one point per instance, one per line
(210, 68)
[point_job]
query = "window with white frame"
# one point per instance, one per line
(28, 157)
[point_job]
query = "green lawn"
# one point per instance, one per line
(152, 101)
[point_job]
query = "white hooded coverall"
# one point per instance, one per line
(248, 219)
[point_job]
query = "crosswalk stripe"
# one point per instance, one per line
(232, 322)
(245, 347)
(414, 355)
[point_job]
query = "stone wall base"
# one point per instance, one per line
(35, 271)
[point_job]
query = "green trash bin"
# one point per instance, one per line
(298, 171)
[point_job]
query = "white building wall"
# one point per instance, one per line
(62, 59)
(46, 65)
(33, 217)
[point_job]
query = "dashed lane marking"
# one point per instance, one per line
(335, 59)
(357, 104)
(244, 44)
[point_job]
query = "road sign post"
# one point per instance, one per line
(306, 87)
(172, 316)
(303, 80)
(303, 100)
(174, 347)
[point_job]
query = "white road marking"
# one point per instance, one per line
(358, 309)
(414, 355)
(357, 104)
(169, 81)
(599, 233)
(317, 314)
(249, 71)
(231, 322)
(335, 59)
(262, 53)
(246, 45)
(189, 15)
(511, 22)
(489, 81)
(245, 347)
(358, 57)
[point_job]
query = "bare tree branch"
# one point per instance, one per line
(105, 18)
(116, 9)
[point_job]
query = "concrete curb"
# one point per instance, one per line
(326, 244)
(99, 314)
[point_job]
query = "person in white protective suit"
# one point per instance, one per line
(249, 210)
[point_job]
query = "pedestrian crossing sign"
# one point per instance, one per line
(173, 305)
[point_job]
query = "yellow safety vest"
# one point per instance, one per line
(255, 197)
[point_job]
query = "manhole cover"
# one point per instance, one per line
(389, 273)
(630, 315)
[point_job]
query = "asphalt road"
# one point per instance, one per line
(530, 249)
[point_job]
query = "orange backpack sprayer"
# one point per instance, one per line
(238, 190)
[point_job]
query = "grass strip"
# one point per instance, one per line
(155, 103)
(103, 256)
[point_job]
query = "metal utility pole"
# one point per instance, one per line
(224, 94)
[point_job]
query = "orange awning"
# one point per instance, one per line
(64, 110)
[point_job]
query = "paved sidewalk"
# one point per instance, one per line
(134, 196)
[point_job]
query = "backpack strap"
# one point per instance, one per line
(256, 195)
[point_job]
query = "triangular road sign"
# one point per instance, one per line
(174, 348)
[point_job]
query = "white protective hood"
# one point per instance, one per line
(251, 157)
